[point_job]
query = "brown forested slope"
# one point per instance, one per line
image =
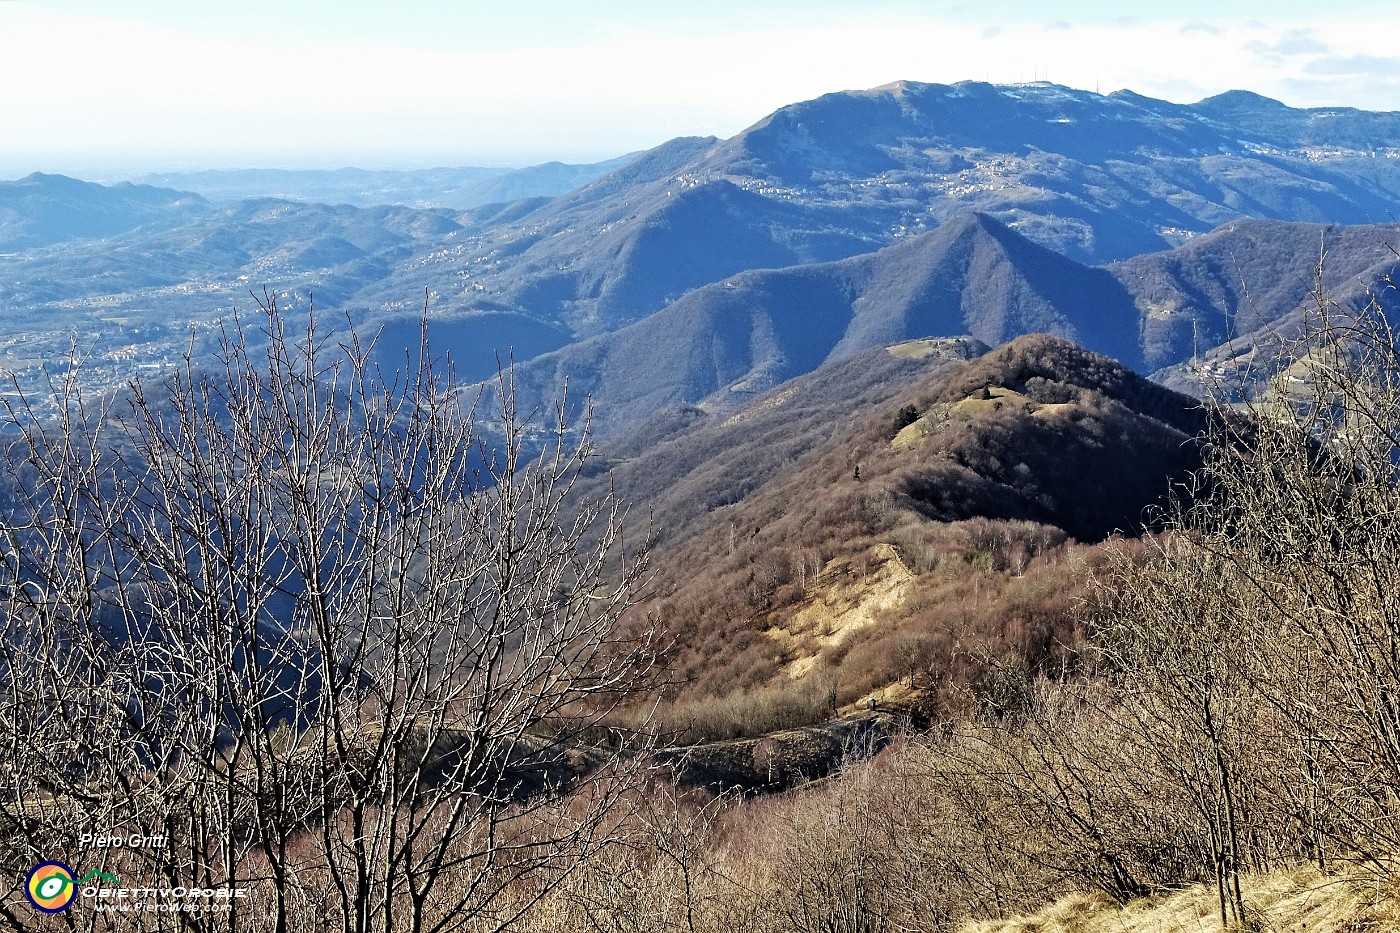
(928, 532)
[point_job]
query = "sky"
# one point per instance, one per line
(114, 88)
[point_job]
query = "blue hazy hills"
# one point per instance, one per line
(712, 269)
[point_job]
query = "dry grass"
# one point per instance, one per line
(927, 346)
(851, 594)
(1302, 899)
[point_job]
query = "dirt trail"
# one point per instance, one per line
(783, 760)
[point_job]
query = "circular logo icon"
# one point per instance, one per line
(50, 887)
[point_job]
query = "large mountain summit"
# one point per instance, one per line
(1097, 177)
(1094, 177)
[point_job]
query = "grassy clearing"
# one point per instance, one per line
(1302, 899)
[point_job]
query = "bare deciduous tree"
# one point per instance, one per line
(1257, 648)
(347, 641)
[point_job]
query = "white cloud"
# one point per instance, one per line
(1355, 66)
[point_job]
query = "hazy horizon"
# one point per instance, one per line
(136, 169)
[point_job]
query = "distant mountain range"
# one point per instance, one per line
(723, 344)
(705, 271)
(40, 210)
(1223, 306)
(1096, 178)
(456, 188)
